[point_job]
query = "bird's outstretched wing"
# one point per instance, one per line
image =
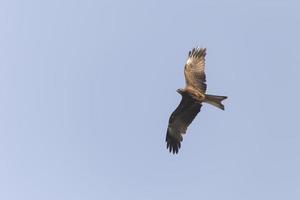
(179, 121)
(194, 69)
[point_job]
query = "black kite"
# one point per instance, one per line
(193, 95)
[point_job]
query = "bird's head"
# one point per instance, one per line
(180, 91)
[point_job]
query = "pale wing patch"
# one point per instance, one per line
(189, 61)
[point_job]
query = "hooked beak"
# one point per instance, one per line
(179, 91)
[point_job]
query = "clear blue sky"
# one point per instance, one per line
(87, 87)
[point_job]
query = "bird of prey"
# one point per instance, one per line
(193, 95)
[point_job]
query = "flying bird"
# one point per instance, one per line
(193, 95)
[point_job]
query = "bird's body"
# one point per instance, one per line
(193, 95)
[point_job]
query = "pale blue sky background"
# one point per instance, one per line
(87, 87)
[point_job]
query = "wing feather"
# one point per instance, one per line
(179, 121)
(194, 70)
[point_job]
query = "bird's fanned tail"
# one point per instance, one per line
(215, 100)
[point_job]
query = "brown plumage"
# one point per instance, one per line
(192, 97)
